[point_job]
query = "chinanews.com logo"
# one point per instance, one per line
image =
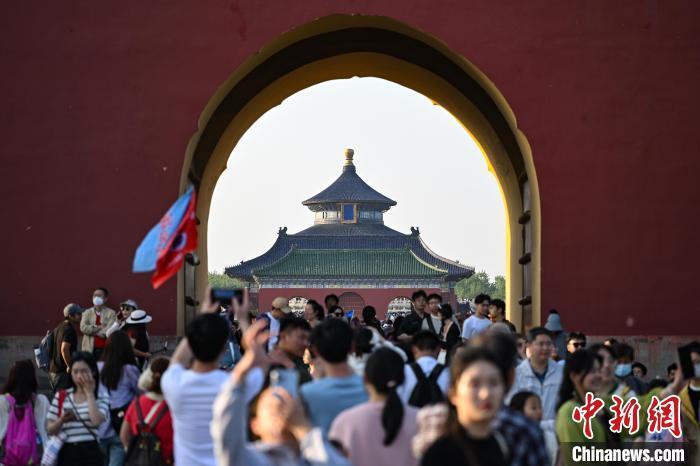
(631, 455)
(662, 415)
(663, 431)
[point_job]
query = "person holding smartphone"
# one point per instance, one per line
(285, 433)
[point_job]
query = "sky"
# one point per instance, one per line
(406, 147)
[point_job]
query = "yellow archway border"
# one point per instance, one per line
(422, 80)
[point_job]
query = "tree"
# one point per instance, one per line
(220, 280)
(481, 283)
(499, 284)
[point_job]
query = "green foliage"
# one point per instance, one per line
(220, 280)
(481, 283)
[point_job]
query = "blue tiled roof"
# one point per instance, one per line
(349, 187)
(350, 229)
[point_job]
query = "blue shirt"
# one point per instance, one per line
(326, 398)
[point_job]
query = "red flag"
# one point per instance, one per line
(183, 241)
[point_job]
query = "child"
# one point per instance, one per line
(530, 405)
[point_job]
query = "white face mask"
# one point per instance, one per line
(98, 300)
(697, 370)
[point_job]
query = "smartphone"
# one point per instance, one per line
(225, 296)
(287, 379)
(687, 366)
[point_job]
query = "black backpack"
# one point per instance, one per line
(427, 391)
(144, 447)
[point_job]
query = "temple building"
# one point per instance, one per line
(351, 253)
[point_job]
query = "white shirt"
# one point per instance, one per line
(274, 332)
(526, 380)
(426, 363)
(190, 396)
(437, 323)
(474, 326)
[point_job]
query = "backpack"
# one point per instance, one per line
(427, 391)
(43, 353)
(21, 446)
(144, 447)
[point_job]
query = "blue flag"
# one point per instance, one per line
(159, 239)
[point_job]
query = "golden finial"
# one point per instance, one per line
(349, 153)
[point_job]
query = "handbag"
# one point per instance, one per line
(52, 449)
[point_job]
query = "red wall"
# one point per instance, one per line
(99, 100)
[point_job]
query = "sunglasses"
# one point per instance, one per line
(578, 345)
(127, 308)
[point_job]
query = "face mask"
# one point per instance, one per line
(98, 300)
(697, 370)
(623, 370)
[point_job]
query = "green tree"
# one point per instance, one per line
(481, 283)
(220, 280)
(499, 287)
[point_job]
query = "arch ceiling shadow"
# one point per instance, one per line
(339, 47)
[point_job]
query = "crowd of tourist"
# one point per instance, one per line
(433, 387)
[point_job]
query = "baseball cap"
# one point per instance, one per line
(282, 304)
(72, 309)
(130, 303)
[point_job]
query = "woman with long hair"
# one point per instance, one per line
(136, 329)
(449, 331)
(151, 405)
(313, 313)
(76, 413)
(120, 376)
(477, 389)
(361, 349)
(20, 404)
(582, 375)
(369, 317)
(378, 432)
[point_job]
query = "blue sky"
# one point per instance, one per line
(406, 147)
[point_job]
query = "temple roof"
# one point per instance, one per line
(359, 245)
(349, 187)
(345, 263)
(344, 237)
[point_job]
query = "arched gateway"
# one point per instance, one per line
(340, 46)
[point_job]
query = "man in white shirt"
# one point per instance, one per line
(192, 382)
(425, 346)
(479, 322)
(540, 374)
(279, 308)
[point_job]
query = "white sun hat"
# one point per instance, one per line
(139, 316)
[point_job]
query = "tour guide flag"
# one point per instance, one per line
(164, 247)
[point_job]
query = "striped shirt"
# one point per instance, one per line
(75, 430)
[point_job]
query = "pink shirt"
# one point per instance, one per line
(359, 429)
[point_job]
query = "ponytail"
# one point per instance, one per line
(392, 416)
(384, 371)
